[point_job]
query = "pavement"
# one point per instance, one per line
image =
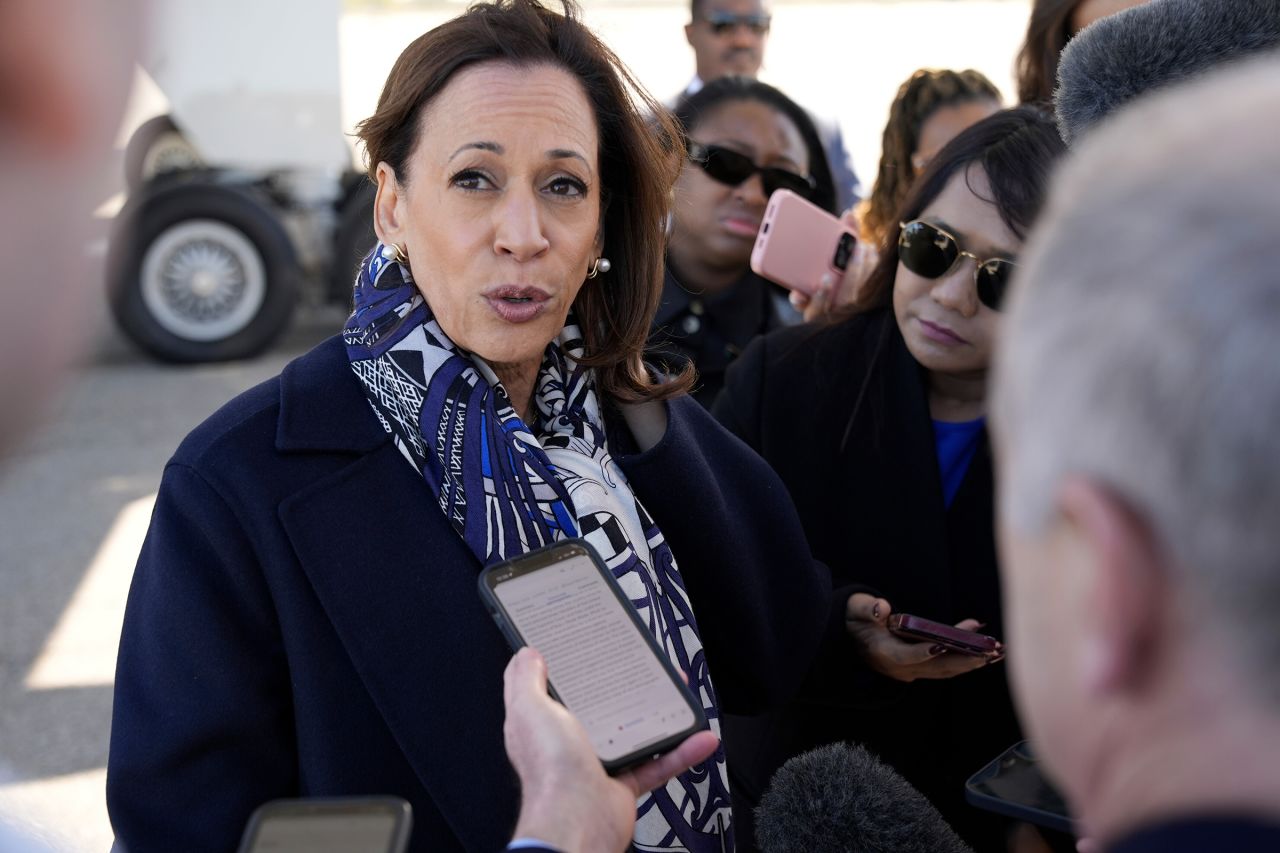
(76, 498)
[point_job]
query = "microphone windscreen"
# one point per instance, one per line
(841, 797)
(1121, 56)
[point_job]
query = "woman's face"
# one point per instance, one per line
(500, 211)
(717, 223)
(947, 329)
(945, 124)
(1088, 11)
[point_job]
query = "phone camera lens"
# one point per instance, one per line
(844, 250)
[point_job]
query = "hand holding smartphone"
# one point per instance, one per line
(949, 637)
(602, 663)
(799, 242)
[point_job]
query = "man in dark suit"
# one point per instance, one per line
(1139, 476)
(729, 37)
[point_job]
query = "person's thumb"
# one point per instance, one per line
(526, 675)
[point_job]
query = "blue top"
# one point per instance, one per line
(956, 443)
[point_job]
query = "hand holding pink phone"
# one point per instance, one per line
(800, 242)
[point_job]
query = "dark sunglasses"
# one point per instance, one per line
(722, 23)
(732, 168)
(929, 251)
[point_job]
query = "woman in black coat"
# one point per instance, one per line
(876, 425)
(745, 139)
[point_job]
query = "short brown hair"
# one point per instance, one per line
(640, 157)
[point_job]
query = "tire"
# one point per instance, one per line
(353, 238)
(157, 148)
(201, 272)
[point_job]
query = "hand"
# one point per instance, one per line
(867, 619)
(567, 800)
(832, 295)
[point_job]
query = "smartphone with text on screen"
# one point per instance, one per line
(602, 663)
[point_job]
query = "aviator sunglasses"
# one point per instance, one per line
(733, 168)
(929, 251)
(722, 23)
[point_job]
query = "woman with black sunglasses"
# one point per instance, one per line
(875, 422)
(745, 140)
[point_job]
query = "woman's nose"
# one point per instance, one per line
(518, 230)
(957, 290)
(751, 191)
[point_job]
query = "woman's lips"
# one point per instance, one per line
(740, 226)
(940, 334)
(517, 304)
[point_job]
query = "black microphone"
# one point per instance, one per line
(841, 797)
(1146, 47)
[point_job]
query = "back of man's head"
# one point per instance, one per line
(1142, 355)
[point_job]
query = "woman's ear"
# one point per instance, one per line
(388, 217)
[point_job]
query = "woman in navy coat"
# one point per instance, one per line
(304, 618)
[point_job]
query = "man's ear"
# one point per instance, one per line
(688, 34)
(1126, 587)
(388, 212)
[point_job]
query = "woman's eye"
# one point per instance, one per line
(470, 179)
(567, 187)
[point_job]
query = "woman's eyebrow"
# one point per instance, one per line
(553, 154)
(482, 146)
(567, 154)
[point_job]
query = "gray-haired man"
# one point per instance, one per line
(1138, 393)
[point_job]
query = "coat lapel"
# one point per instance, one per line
(891, 444)
(399, 587)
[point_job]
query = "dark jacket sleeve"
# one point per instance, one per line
(758, 594)
(200, 693)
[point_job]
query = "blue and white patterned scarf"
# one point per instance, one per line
(507, 491)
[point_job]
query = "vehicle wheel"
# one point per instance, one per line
(201, 272)
(352, 240)
(156, 148)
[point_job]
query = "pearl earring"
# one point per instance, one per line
(601, 265)
(392, 252)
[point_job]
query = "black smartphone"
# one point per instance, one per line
(345, 825)
(602, 663)
(1012, 785)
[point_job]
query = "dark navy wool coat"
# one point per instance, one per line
(304, 622)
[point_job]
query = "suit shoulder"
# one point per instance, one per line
(251, 422)
(249, 417)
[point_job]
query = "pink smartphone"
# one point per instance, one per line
(798, 242)
(956, 639)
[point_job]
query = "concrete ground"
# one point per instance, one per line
(74, 501)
